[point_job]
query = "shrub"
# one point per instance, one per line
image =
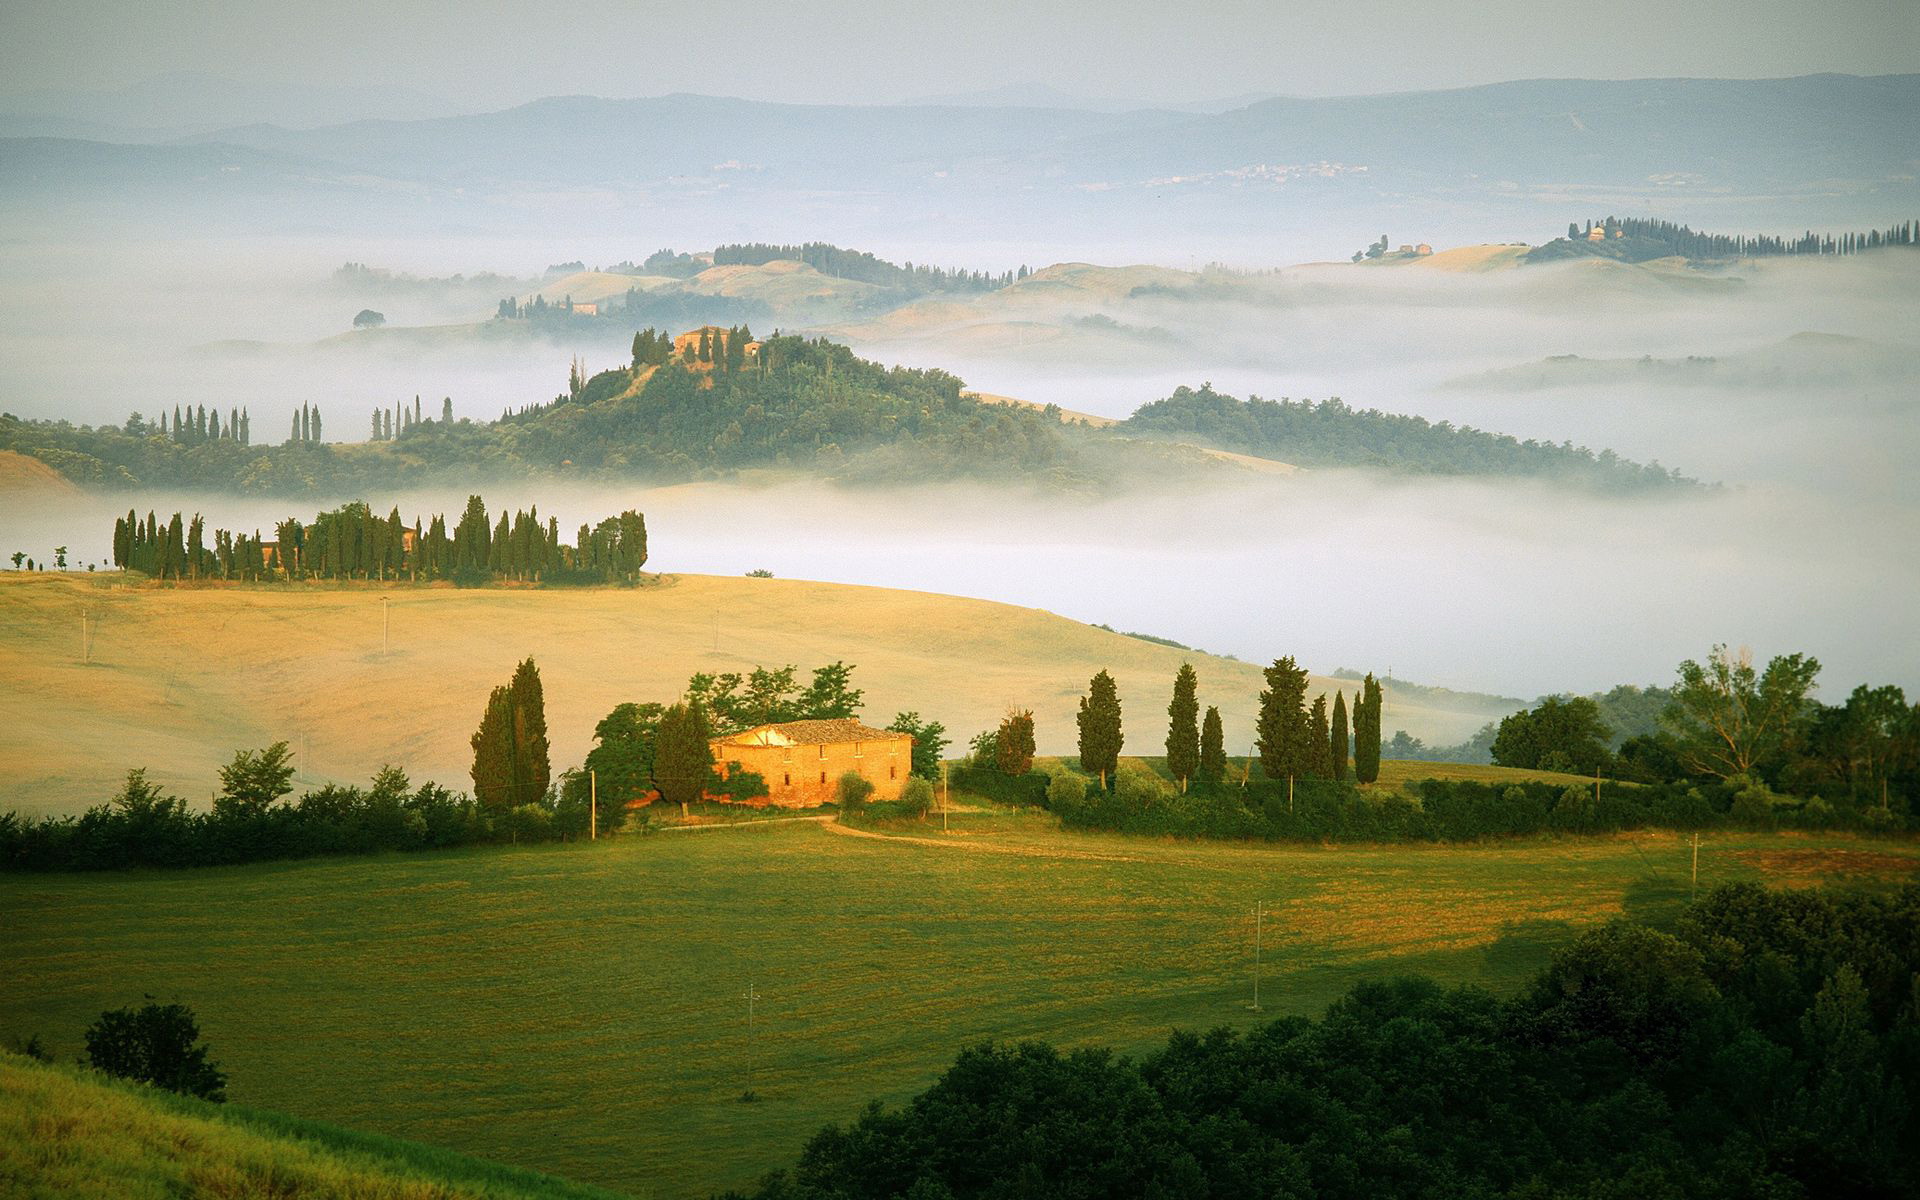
(852, 791)
(1066, 791)
(917, 796)
(154, 1045)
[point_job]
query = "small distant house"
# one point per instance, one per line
(585, 310)
(687, 345)
(802, 761)
(1423, 250)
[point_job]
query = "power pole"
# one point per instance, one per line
(945, 793)
(593, 804)
(386, 622)
(1694, 889)
(86, 650)
(1259, 915)
(752, 997)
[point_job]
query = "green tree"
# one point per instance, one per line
(254, 779)
(1320, 740)
(1728, 719)
(532, 771)
(1282, 729)
(155, 1044)
(1366, 731)
(1213, 748)
(683, 755)
(929, 741)
(1337, 737)
(493, 766)
(1013, 750)
(1183, 726)
(1101, 736)
(1561, 733)
(831, 695)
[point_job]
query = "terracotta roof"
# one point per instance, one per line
(814, 733)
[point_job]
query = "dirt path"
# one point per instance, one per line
(984, 847)
(740, 824)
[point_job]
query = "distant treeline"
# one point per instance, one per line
(803, 404)
(353, 542)
(1768, 1044)
(1330, 434)
(1641, 238)
(864, 267)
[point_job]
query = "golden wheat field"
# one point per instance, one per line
(354, 677)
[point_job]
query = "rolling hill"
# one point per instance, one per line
(67, 1132)
(179, 679)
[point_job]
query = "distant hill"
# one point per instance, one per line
(1805, 360)
(70, 1132)
(182, 678)
(1746, 150)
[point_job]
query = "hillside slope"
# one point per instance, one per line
(71, 1133)
(179, 679)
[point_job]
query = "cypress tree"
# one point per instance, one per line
(1337, 737)
(531, 769)
(1282, 725)
(493, 765)
(1100, 733)
(1366, 732)
(1213, 748)
(316, 425)
(1014, 746)
(1320, 747)
(1183, 726)
(682, 754)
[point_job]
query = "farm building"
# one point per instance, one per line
(802, 761)
(687, 345)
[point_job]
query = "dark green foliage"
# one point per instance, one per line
(863, 267)
(683, 760)
(494, 771)
(851, 791)
(1366, 731)
(988, 781)
(929, 741)
(1642, 238)
(155, 1045)
(1013, 747)
(533, 772)
(1101, 735)
(250, 782)
(1183, 725)
(1769, 1049)
(1283, 734)
(622, 754)
(1728, 718)
(1213, 748)
(1319, 740)
(1331, 434)
(767, 696)
(1558, 734)
(1337, 738)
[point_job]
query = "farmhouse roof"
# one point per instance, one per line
(809, 733)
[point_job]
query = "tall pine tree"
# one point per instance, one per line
(1100, 734)
(1320, 745)
(1183, 726)
(1213, 748)
(1282, 726)
(493, 765)
(1337, 737)
(1366, 732)
(532, 772)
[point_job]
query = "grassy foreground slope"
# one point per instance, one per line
(578, 1009)
(70, 1133)
(179, 678)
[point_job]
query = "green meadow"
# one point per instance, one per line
(580, 1009)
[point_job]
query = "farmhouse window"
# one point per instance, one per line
(823, 777)
(823, 749)
(787, 779)
(858, 750)
(893, 771)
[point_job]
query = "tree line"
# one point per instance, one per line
(353, 542)
(1332, 434)
(1730, 721)
(1768, 1044)
(197, 425)
(1686, 242)
(863, 267)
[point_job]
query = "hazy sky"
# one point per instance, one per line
(492, 53)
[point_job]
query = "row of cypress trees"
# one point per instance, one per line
(197, 425)
(1293, 738)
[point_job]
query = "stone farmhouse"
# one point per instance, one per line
(802, 761)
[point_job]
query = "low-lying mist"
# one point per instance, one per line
(1512, 588)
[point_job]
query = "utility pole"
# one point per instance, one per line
(86, 649)
(593, 804)
(1694, 889)
(752, 997)
(1289, 793)
(1259, 914)
(946, 792)
(386, 622)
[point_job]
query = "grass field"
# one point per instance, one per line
(181, 678)
(66, 1132)
(579, 1009)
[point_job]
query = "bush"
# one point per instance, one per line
(917, 796)
(1066, 791)
(988, 783)
(853, 790)
(154, 1045)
